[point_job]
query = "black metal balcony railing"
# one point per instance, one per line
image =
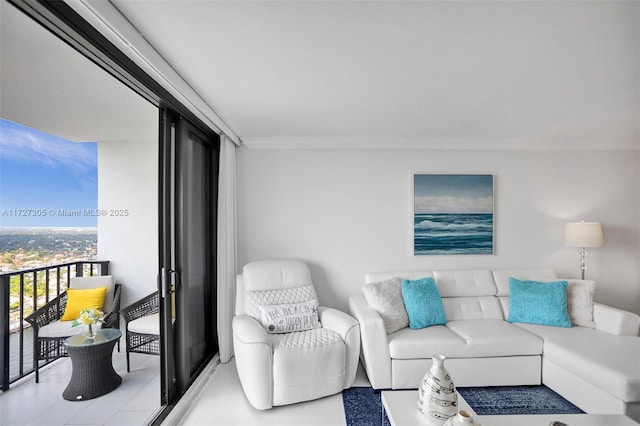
(23, 292)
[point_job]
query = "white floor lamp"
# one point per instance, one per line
(584, 235)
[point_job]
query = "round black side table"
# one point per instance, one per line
(93, 374)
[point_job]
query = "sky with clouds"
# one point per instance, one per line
(40, 173)
(453, 193)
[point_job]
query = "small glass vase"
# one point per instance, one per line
(90, 334)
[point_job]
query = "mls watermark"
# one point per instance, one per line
(64, 212)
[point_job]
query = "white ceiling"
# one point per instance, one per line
(428, 74)
(542, 74)
(47, 85)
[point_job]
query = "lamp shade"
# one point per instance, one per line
(583, 234)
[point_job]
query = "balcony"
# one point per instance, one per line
(22, 400)
(21, 293)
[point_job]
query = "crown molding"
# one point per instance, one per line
(482, 144)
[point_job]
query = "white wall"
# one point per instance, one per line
(347, 212)
(128, 180)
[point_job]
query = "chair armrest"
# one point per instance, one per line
(249, 331)
(615, 321)
(149, 304)
(112, 318)
(254, 360)
(337, 321)
(347, 327)
(48, 313)
(375, 343)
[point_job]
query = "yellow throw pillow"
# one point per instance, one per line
(80, 299)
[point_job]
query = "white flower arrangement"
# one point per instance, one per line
(89, 317)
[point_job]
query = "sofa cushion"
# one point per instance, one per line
(450, 283)
(610, 362)
(465, 283)
(464, 339)
(537, 302)
(474, 307)
(423, 303)
(423, 343)
(386, 298)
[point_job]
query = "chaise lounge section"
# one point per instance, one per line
(596, 367)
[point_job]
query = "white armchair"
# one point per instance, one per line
(289, 367)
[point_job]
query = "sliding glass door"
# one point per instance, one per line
(189, 166)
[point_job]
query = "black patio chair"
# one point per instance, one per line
(142, 325)
(49, 333)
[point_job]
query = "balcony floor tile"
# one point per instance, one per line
(134, 402)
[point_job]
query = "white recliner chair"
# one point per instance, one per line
(279, 367)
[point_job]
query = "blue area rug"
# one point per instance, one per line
(363, 406)
(505, 400)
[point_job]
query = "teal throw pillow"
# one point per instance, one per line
(423, 303)
(536, 302)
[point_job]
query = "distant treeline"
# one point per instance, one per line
(46, 239)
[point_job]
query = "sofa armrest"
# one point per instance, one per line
(347, 327)
(615, 321)
(374, 342)
(254, 360)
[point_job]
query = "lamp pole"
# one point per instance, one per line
(583, 234)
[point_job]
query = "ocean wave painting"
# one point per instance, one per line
(453, 214)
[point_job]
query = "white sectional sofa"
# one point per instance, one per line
(597, 369)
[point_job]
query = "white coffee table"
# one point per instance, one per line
(402, 409)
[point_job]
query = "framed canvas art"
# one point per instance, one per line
(452, 214)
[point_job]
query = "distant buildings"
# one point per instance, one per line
(27, 248)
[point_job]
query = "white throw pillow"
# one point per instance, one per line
(580, 302)
(290, 317)
(386, 298)
(253, 299)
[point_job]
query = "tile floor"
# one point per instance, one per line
(221, 402)
(135, 401)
